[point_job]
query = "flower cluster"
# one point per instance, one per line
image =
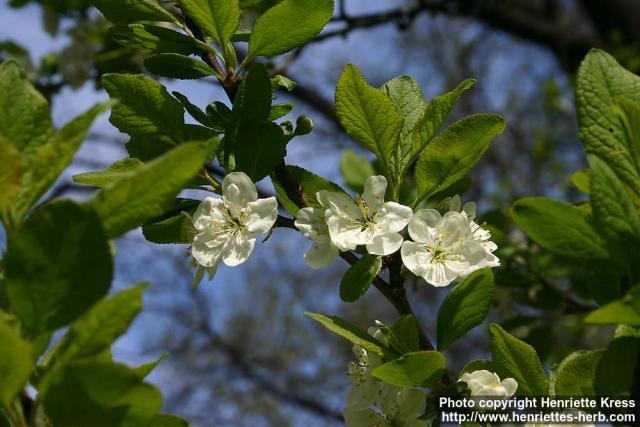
(443, 247)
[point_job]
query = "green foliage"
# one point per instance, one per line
(259, 149)
(624, 311)
(516, 359)
(355, 169)
(110, 395)
(94, 332)
(218, 19)
(421, 120)
(57, 265)
(559, 227)
(452, 154)
(575, 374)
(147, 193)
(173, 226)
(358, 278)
(310, 184)
(168, 420)
(368, 116)
(350, 332)
(127, 11)
(403, 336)
(157, 39)
(177, 66)
(288, 25)
(600, 81)
(114, 172)
(417, 369)
(618, 361)
(465, 307)
(613, 210)
(146, 112)
(15, 364)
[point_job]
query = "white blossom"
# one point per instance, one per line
(312, 224)
(443, 247)
(366, 221)
(373, 403)
(488, 384)
(225, 227)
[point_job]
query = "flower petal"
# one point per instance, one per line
(238, 248)
(345, 233)
(385, 244)
(414, 257)
(374, 189)
(321, 254)
(208, 214)
(261, 215)
(338, 204)
(394, 217)
(238, 190)
(510, 385)
(422, 226)
(311, 223)
(439, 274)
(203, 253)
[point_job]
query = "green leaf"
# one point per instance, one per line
(477, 365)
(157, 39)
(465, 307)
(25, 117)
(114, 172)
(624, 311)
(407, 96)
(582, 180)
(287, 25)
(126, 11)
(355, 169)
(259, 149)
(517, 359)
(174, 226)
(15, 364)
(358, 277)
(418, 369)
(368, 115)
(195, 112)
(435, 115)
(110, 395)
(143, 371)
(177, 66)
(600, 81)
(58, 264)
(147, 193)
(452, 154)
(94, 332)
(616, 372)
(613, 211)
(218, 19)
(145, 111)
(629, 114)
(10, 179)
(575, 374)
(168, 420)
(350, 332)
(406, 334)
(280, 110)
(52, 158)
(559, 227)
(310, 184)
(280, 81)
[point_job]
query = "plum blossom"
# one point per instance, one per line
(488, 384)
(368, 220)
(373, 403)
(312, 224)
(443, 247)
(225, 227)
